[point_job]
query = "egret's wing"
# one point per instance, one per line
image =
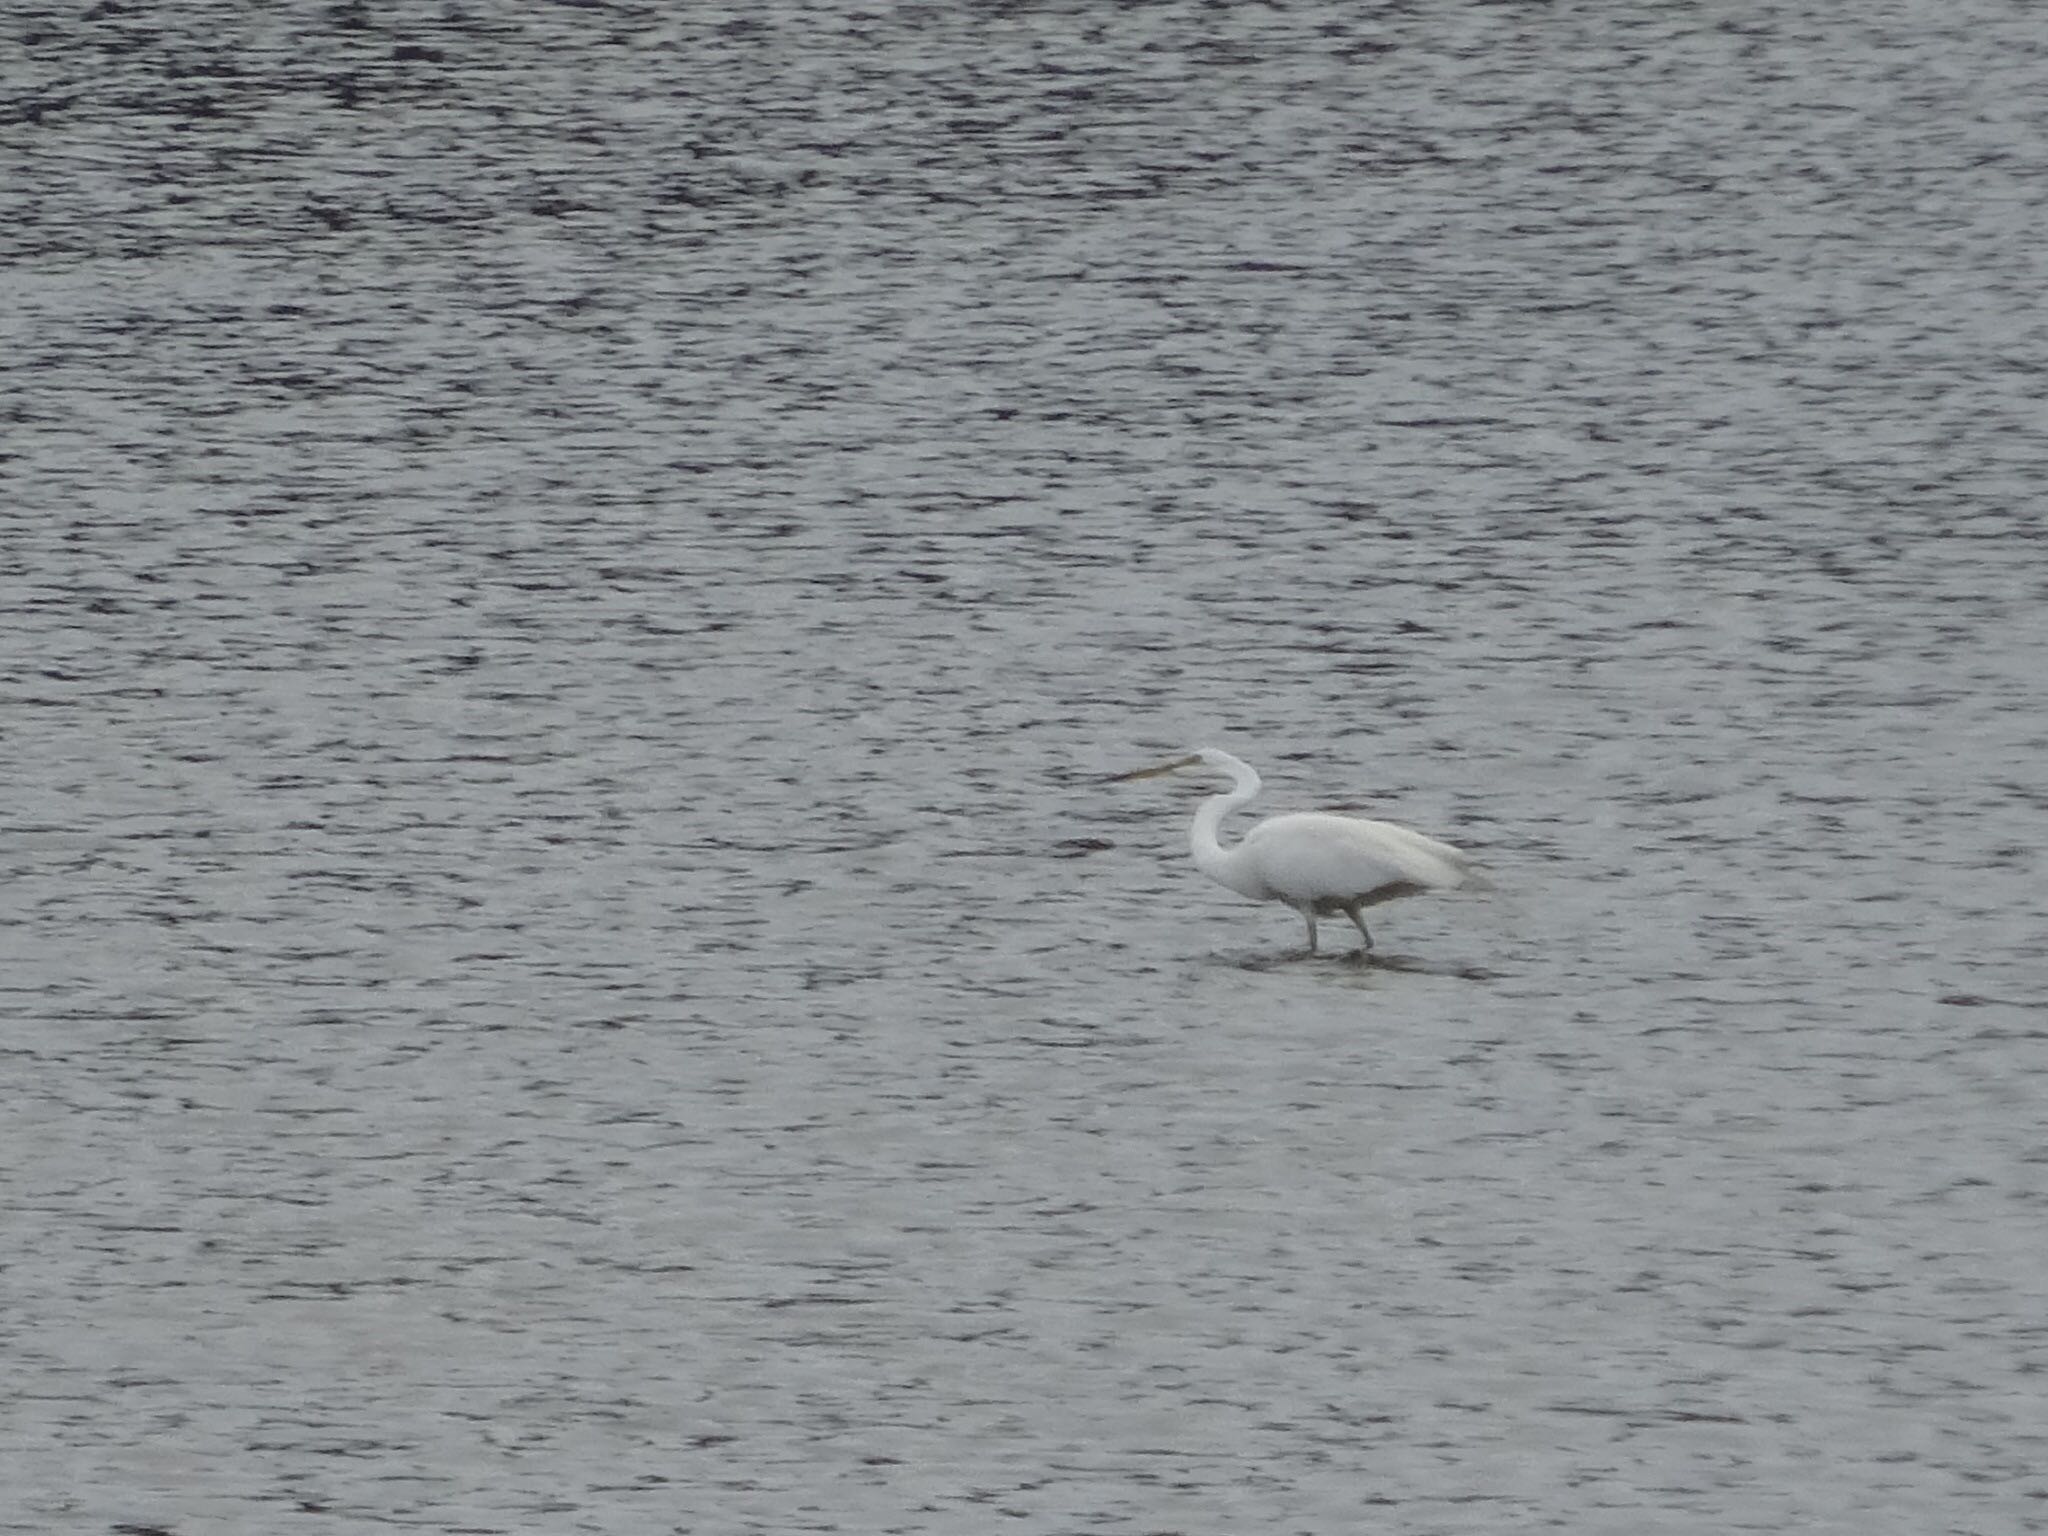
(1426, 852)
(1319, 857)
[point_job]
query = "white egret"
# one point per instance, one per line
(1318, 862)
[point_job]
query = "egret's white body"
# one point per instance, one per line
(1319, 863)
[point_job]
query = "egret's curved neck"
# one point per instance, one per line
(1210, 855)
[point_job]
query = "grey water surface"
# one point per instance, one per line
(573, 578)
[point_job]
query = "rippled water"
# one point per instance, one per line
(573, 578)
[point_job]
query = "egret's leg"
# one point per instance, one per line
(1364, 938)
(1309, 916)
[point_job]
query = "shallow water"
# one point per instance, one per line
(573, 586)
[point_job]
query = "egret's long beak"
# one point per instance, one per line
(1153, 773)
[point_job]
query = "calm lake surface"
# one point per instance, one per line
(573, 578)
